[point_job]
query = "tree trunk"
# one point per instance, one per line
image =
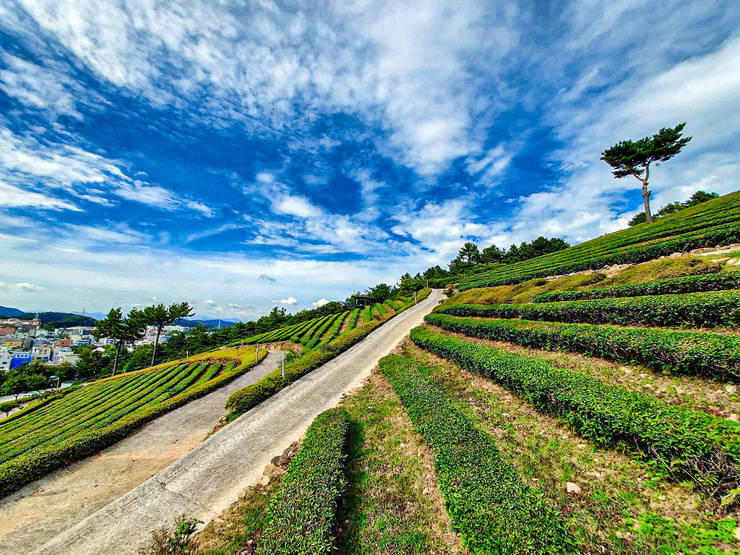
(646, 199)
(115, 360)
(646, 195)
(156, 342)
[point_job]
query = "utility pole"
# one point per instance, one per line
(282, 366)
(414, 297)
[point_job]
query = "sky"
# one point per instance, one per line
(242, 155)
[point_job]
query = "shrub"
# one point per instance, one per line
(683, 442)
(674, 286)
(713, 308)
(94, 435)
(682, 352)
(244, 399)
(489, 505)
(302, 513)
(715, 222)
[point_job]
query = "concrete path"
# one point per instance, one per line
(48, 506)
(209, 478)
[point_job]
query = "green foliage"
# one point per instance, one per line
(680, 441)
(673, 207)
(246, 398)
(706, 309)
(671, 286)
(50, 434)
(178, 541)
(716, 222)
(634, 157)
(302, 513)
(489, 505)
(681, 352)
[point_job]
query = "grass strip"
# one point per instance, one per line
(490, 506)
(302, 513)
(682, 442)
(710, 355)
(708, 309)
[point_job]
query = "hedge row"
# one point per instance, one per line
(322, 329)
(244, 399)
(672, 286)
(713, 308)
(302, 513)
(708, 224)
(710, 355)
(489, 505)
(684, 442)
(35, 463)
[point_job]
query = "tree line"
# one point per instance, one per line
(470, 255)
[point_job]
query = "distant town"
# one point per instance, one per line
(23, 341)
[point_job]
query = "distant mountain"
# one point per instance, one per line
(6, 311)
(58, 319)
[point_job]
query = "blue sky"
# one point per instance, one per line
(240, 155)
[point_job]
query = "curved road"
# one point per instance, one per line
(205, 481)
(46, 507)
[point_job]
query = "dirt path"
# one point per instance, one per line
(206, 480)
(46, 507)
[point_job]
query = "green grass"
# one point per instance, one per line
(100, 413)
(302, 513)
(708, 309)
(618, 494)
(674, 286)
(244, 399)
(710, 355)
(707, 224)
(392, 502)
(490, 506)
(679, 441)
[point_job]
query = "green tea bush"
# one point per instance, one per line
(681, 352)
(716, 222)
(46, 440)
(489, 505)
(302, 514)
(673, 286)
(244, 399)
(713, 308)
(683, 442)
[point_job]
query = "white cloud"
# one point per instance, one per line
(289, 301)
(296, 206)
(15, 197)
(320, 302)
(24, 287)
(30, 172)
(411, 67)
(40, 87)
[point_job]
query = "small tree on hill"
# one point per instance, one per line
(161, 316)
(120, 329)
(634, 157)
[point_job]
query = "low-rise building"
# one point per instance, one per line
(19, 358)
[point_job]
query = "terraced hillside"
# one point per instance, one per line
(716, 222)
(319, 331)
(49, 433)
(493, 432)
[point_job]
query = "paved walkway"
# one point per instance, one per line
(50, 505)
(209, 478)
